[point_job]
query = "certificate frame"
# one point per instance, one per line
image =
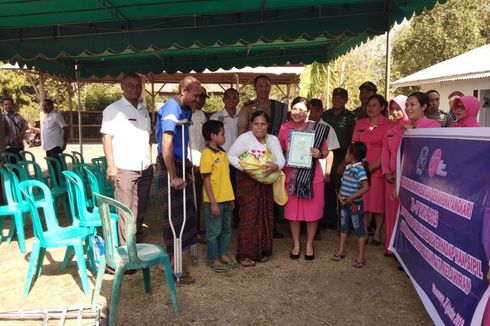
(299, 155)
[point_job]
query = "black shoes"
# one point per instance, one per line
(309, 257)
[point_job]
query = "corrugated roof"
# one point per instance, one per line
(470, 65)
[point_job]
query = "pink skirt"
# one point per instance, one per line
(308, 210)
(374, 199)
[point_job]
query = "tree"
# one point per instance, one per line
(365, 62)
(96, 97)
(440, 34)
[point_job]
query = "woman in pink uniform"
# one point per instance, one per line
(415, 107)
(391, 142)
(371, 131)
(305, 185)
(466, 110)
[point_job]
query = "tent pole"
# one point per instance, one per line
(42, 96)
(77, 74)
(388, 65)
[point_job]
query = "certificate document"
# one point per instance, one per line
(299, 155)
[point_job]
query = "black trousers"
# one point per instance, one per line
(53, 153)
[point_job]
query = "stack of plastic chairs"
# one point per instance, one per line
(15, 207)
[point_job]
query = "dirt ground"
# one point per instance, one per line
(278, 292)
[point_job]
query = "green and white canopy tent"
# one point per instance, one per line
(74, 39)
(109, 37)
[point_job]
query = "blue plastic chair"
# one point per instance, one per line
(8, 157)
(53, 236)
(14, 207)
(129, 257)
(18, 170)
(65, 160)
(82, 216)
(33, 171)
(78, 157)
(58, 184)
(28, 156)
(106, 186)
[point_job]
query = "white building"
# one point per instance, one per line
(468, 73)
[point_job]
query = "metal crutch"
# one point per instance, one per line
(178, 238)
(194, 246)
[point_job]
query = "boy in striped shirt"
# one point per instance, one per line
(355, 183)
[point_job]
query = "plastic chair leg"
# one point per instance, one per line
(68, 257)
(146, 276)
(11, 231)
(32, 266)
(19, 225)
(171, 285)
(116, 291)
(90, 253)
(98, 282)
(2, 221)
(40, 259)
(82, 267)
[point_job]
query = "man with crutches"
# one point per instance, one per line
(175, 184)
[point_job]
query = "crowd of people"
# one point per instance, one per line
(240, 164)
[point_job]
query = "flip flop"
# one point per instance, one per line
(336, 257)
(230, 263)
(247, 262)
(217, 268)
(357, 264)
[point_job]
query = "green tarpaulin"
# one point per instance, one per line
(109, 37)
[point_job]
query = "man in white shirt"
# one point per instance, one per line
(126, 129)
(229, 117)
(54, 131)
(197, 144)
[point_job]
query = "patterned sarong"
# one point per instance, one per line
(189, 236)
(256, 218)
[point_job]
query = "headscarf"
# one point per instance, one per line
(401, 100)
(471, 107)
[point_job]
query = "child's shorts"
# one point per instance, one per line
(353, 217)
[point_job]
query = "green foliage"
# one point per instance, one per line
(96, 97)
(365, 62)
(440, 34)
(213, 104)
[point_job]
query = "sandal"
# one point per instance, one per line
(263, 259)
(247, 262)
(218, 268)
(230, 263)
(358, 264)
(336, 257)
(185, 279)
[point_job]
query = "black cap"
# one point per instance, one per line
(340, 92)
(369, 86)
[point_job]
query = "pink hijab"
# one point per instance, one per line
(471, 107)
(401, 100)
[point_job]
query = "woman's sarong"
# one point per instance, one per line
(256, 218)
(189, 236)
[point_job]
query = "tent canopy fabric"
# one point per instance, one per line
(107, 37)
